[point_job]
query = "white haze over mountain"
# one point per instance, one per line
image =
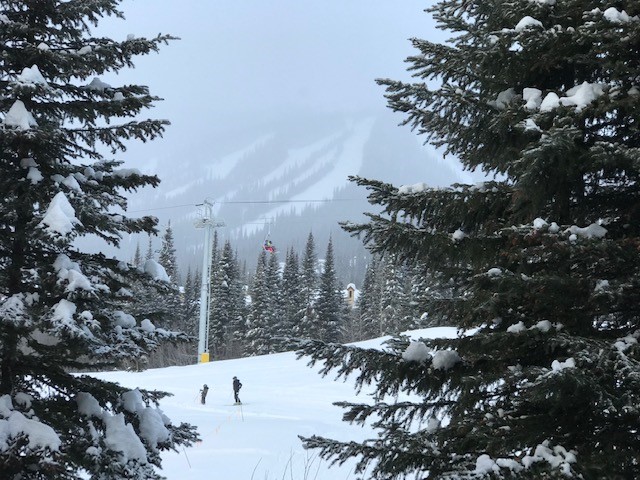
(273, 102)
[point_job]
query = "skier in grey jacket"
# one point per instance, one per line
(236, 388)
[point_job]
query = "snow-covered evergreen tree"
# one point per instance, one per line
(150, 255)
(293, 299)
(167, 255)
(547, 95)
(236, 332)
(165, 308)
(62, 310)
(218, 307)
(215, 254)
(259, 332)
(330, 305)
(369, 301)
(309, 270)
(155, 302)
(394, 304)
(189, 309)
(171, 300)
(308, 326)
(137, 257)
(226, 305)
(276, 303)
(389, 300)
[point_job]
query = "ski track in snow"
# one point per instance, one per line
(298, 156)
(338, 163)
(220, 168)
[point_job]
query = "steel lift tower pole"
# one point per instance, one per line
(208, 224)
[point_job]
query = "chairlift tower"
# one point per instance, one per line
(206, 222)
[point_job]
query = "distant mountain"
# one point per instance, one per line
(286, 178)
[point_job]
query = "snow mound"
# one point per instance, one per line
(416, 352)
(155, 270)
(445, 359)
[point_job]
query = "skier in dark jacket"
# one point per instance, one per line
(203, 393)
(236, 388)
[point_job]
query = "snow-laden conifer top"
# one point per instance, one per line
(60, 217)
(31, 75)
(19, 117)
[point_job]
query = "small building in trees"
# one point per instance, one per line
(351, 295)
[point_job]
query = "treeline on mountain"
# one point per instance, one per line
(289, 296)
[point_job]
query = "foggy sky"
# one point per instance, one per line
(241, 63)
(254, 58)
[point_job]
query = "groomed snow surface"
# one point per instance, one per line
(282, 398)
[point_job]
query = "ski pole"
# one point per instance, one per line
(185, 456)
